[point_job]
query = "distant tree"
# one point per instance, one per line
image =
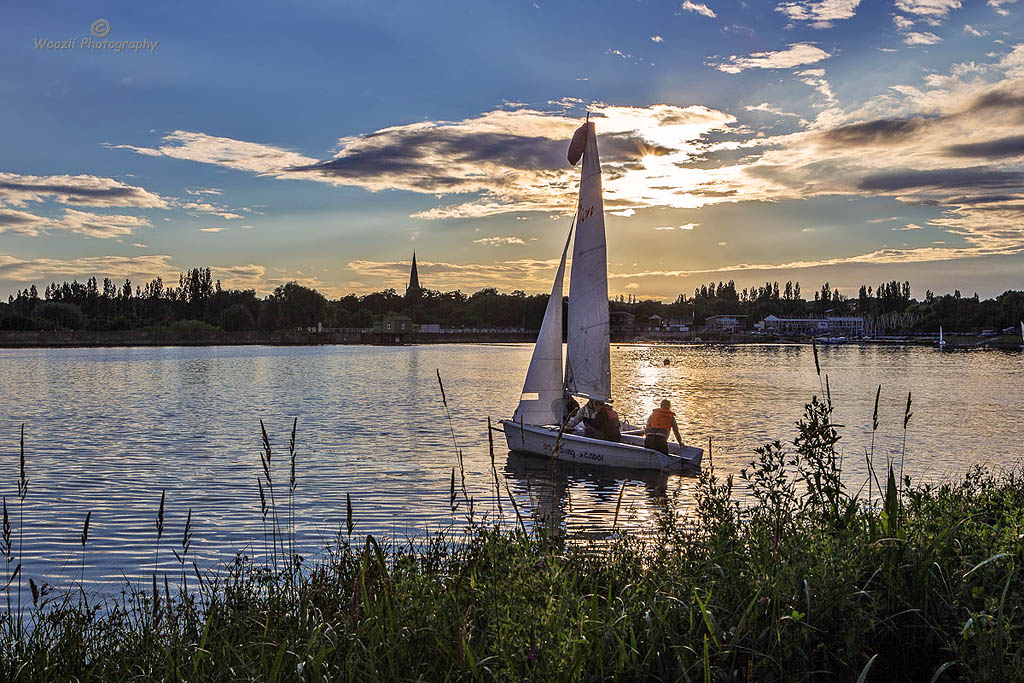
(61, 315)
(298, 306)
(237, 318)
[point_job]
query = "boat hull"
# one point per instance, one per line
(627, 453)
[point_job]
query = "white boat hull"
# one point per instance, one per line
(627, 453)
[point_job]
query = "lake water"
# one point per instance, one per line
(107, 429)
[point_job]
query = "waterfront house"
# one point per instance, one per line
(726, 323)
(395, 324)
(622, 324)
(836, 325)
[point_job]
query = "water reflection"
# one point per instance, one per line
(577, 498)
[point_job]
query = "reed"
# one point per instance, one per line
(22, 493)
(159, 529)
(84, 538)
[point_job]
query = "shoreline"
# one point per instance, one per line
(149, 338)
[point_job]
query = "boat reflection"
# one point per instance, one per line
(582, 501)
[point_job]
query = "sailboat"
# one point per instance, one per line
(1022, 334)
(535, 426)
(942, 342)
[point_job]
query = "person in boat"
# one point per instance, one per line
(658, 425)
(599, 420)
(572, 407)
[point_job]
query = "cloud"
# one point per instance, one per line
(928, 8)
(203, 207)
(237, 154)
(902, 22)
(923, 38)
(974, 31)
(499, 241)
(796, 54)
(20, 222)
(656, 39)
(687, 226)
(877, 132)
(515, 161)
(819, 13)
(943, 179)
(816, 79)
(765, 107)
(910, 226)
(1012, 146)
(38, 269)
(72, 220)
(99, 225)
(217, 229)
(699, 8)
(997, 5)
(78, 190)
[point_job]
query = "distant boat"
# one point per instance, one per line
(942, 342)
(534, 427)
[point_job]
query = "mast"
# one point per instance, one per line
(588, 358)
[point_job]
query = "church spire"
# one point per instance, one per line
(414, 278)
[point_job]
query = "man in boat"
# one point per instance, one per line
(599, 420)
(658, 425)
(572, 407)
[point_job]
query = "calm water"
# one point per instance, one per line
(107, 429)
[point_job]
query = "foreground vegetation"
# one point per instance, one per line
(807, 581)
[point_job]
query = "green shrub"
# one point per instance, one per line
(192, 330)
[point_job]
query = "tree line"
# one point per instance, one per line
(198, 299)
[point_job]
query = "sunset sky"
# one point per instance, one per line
(324, 141)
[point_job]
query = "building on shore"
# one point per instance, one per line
(622, 324)
(400, 324)
(726, 323)
(835, 325)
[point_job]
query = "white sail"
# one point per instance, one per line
(940, 336)
(588, 363)
(542, 401)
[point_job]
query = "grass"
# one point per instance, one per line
(807, 581)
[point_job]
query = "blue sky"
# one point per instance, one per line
(322, 142)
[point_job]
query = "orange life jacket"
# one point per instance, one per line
(661, 421)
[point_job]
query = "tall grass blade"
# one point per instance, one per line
(864, 672)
